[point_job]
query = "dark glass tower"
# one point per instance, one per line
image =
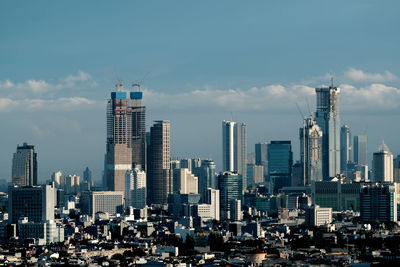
(24, 166)
(280, 161)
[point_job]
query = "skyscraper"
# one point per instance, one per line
(327, 118)
(311, 151)
(382, 164)
(24, 166)
(360, 149)
(206, 176)
(135, 188)
(230, 187)
(87, 176)
(234, 148)
(159, 182)
(345, 148)
(125, 144)
(280, 161)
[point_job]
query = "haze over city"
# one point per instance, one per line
(198, 64)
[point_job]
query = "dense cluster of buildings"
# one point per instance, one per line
(158, 210)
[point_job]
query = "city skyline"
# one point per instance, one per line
(54, 98)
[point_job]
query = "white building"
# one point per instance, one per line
(317, 216)
(43, 233)
(101, 201)
(382, 164)
(185, 182)
(135, 188)
(234, 148)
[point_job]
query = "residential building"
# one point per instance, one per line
(185, 182)
(135, 188)
(159, 180)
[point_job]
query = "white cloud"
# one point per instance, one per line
(37, 87)
(253, 99)
(372, 97)
(63, 103)
(361, 76)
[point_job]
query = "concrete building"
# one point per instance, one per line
(159, 180)
(72, 184)
(234, 148)
(230, 187)
(34, 202)
(24, 166)
(336, 194)
(44, 233)
(236, 213)
(58, 179)
(135, 188)
(310, 151)
(111, 202)
(185, 182)
(317, 216)
(382, 164)
(378, 203)
(327, 118)
(126, 143)
(210, 209)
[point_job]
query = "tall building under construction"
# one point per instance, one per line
(126, 140)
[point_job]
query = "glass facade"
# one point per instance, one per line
(280, 163)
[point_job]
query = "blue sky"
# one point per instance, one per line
(202, 62)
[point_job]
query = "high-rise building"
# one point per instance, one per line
(58, 179)
(382, 164)
(135, 188)
(24, 166)
(185, 182)
(261, 155)
(327, 118)
(231, 188)
(87, 176)
(378, 203)
(72, 184)
(234, 148)
(280, 161)
(159, 180)
(345, 148)
(311, 151)
(126, 144)
(34, 202)
(360, 149)
(206, 177)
